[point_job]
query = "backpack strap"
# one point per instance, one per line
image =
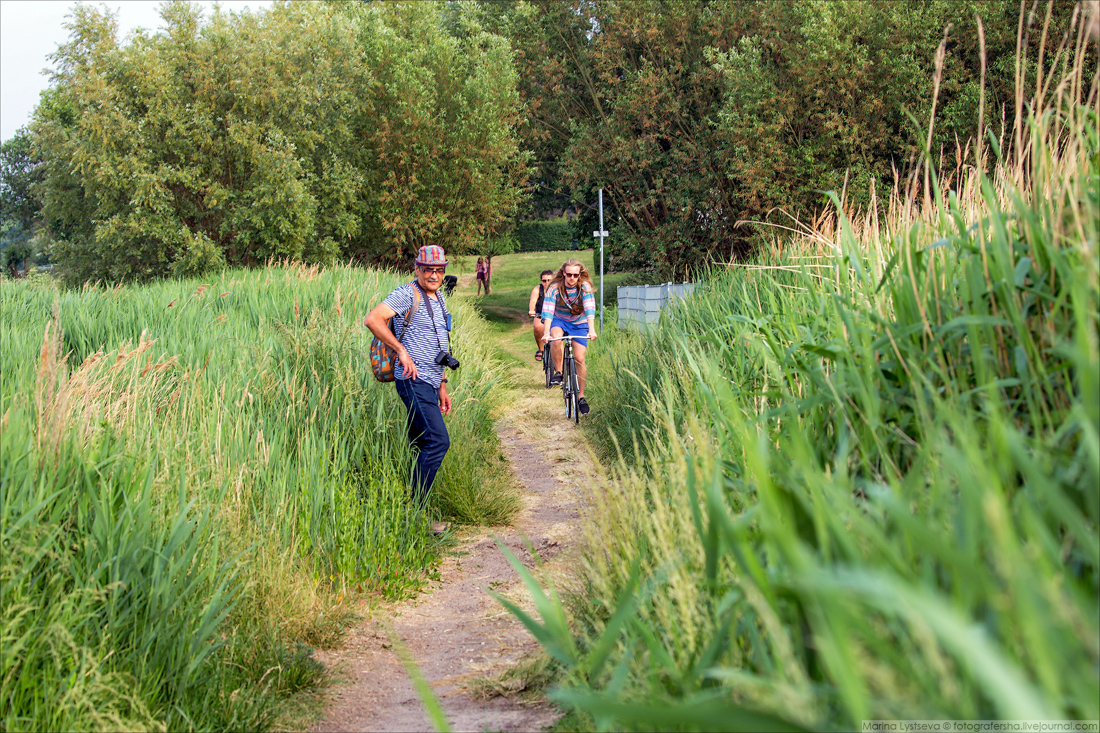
(411, 313)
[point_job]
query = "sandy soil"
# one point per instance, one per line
(457, 632)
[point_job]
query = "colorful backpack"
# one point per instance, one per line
(382, 357)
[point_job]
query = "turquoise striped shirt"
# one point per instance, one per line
(566, 296)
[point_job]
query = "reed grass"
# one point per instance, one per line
(863, 490)
(198, 478)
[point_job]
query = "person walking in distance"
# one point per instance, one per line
(569, 308)
(534, 309)
(422, 353)
(482, 273)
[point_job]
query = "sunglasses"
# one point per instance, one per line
(434, 270)
(546, 279)
(572, 274)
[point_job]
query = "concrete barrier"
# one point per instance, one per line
(640, 305)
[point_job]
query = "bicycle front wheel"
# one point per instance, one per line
(567, 383)
(574, 394)
(547, 364)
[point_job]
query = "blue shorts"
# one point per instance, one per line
(572, 329)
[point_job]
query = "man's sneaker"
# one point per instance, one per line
(555, 378)
(582, 406)
(438, 528)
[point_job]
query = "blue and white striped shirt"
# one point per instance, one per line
(420, 341)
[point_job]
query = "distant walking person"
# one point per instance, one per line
(482, 272)
(423, 350)
(569, 309)
(534, 309)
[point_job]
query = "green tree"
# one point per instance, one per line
(18, 247)
(445, 163)
(309, 131)
(695, 116)
(20, 173)
(622, 97)
(818, 95)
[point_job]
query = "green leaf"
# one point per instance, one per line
(698, 712)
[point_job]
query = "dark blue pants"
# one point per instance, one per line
(427, 433)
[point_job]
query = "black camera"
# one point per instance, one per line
(444, 359)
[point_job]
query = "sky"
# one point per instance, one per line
(31, 29)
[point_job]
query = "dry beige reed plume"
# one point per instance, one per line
(298, 269)
(119, 392)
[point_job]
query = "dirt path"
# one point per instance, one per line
(456, 632)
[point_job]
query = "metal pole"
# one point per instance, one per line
(601, 234)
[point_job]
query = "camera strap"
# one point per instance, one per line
(431, 315)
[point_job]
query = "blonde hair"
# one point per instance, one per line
(584, 282)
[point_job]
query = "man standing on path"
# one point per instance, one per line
(423, 350)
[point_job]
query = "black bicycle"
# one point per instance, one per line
(570, 387)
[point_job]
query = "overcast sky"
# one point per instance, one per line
(31, 29)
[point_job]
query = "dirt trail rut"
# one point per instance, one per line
(456, 631)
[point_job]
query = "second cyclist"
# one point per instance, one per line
(534, 309)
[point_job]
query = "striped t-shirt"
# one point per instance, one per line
(420, 340)
(557, 300)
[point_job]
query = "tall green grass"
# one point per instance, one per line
(195, 477)
(859, 477)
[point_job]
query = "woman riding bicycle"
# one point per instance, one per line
(534, 309)
(569, 309)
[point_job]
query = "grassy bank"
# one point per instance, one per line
(858, 477)
(198, 477)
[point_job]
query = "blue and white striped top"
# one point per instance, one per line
(420, 341)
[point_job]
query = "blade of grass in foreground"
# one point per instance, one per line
(427, 695)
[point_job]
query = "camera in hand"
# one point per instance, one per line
(444, 359)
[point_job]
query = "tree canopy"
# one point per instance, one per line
(340, 130)
(20, 172)
(695, 116)
(310, 131)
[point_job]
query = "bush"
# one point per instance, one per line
(545, 236)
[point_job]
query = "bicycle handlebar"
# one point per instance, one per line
(567, 338)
